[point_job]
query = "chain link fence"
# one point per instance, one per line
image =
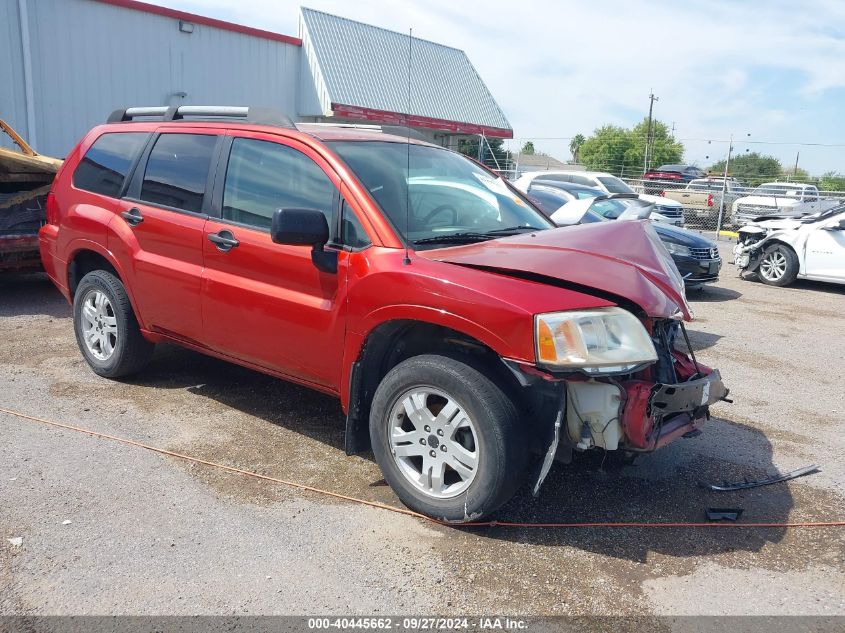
(711, 203)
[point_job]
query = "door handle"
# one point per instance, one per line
(223, 240)
(133, 217)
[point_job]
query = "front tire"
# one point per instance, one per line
(106, 329)
(446, 439)
(778, 265)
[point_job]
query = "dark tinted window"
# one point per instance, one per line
(264, 176)
(177, 171)
(107, 162)
(351, 232)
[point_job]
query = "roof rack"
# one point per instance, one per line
(395, 130)
(251, 114)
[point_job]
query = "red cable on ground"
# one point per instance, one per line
(382, 506)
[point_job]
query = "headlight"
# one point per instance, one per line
(604, 340)
(677, 249)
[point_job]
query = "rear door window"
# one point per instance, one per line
(263, 176)
(108, 161)
(177, 171)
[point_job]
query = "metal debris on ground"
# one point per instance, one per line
(806, 470)
(723, 514)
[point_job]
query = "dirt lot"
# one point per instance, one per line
(150, 534)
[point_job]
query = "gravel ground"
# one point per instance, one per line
(113, 529)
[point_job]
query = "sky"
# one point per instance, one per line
(770, 73)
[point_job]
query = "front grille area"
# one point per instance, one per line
(705, 253)
(755, 209)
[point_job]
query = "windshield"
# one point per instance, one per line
(777, 190)
(614, 184)
(705, 185)
(451, 198)
(824, 215)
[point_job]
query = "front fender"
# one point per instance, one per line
(355, 341)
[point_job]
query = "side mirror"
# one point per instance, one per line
(305, 227)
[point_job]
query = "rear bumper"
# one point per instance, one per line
(53, 266)
(19, 253)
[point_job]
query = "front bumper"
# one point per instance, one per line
(655, 414)
(698, 271)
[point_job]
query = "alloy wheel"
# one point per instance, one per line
(99, 325)
(773, 266)
(434, 442)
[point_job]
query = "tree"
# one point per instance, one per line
(491, 151)
(832, 181)
(528, 148)
(753, 169)
(575, 146)
(795, 175)
(613, 148)
(665, 150)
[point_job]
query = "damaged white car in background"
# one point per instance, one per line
(783, 249)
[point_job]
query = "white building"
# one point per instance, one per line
(66, 64)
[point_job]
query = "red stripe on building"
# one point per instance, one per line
(201, 19)
(413, 120)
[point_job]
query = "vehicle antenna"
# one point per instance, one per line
(407, 259)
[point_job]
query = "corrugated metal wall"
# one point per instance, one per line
(12, 99)
(89, 58)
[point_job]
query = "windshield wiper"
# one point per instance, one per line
(463, 236)
(511, 230)
(472, 236)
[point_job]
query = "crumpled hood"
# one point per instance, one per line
(626, 259)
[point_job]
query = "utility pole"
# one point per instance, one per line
(724, 189)
(795, 171)
(651, 100)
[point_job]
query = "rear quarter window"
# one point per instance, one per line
(107, 162)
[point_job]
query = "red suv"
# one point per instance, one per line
(460, 329)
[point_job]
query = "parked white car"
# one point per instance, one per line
(785, 249)
(779, 197)
(665, 210)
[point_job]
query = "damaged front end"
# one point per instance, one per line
(749, 247)
(631, 412)
(604, 378)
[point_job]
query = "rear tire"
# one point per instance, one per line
(778, 265)
(447, 439)
(106, 329)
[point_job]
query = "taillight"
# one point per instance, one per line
(709, 199)
(52, 209)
